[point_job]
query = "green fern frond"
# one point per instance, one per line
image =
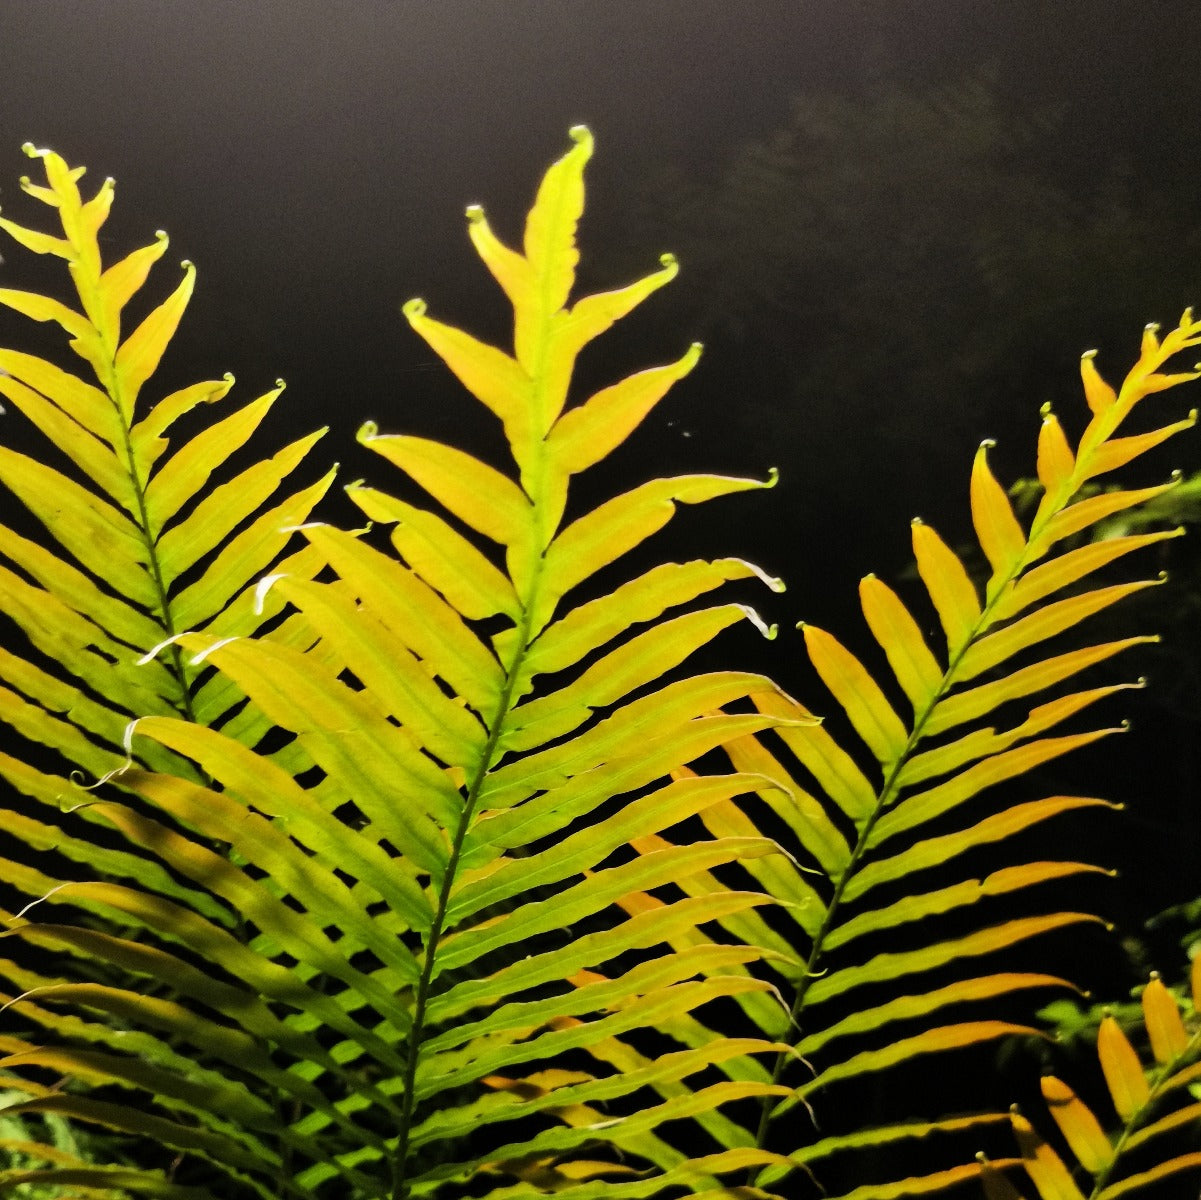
(140, 544)
(419, 950)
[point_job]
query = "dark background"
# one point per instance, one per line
(899, 225)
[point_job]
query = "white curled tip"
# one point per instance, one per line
(414, 308)
(154, 651)
(198, 658)
(35, 991)
(475, 213)
(40, 900)
(369, 430)
(261, 589)
(773, 581)
(768, 631)
(127, 742)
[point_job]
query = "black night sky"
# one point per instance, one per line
(1000, 187)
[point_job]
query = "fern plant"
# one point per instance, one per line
(406, 869)
(350, 938)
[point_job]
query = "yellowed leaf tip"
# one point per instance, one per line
(414, 308)
(670, 260)
(367, 431)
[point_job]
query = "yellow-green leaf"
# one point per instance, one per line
(916, 669)
(1123, 1072)
(1055, 459)
(588, 433)
(441, 556)
(1041, 624)
(947, 581)
(1001, 536)
(1165, 1028)
(1045, 1167)
(858, 693)
(477, 494)
(139, 355)
(1079, 1126)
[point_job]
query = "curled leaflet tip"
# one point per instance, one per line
(45, 896)
(261, 589)
(154, 651)
(201, 655)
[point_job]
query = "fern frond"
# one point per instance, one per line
(930, 766)
(889, 805)
(419, 944)
(140, 544)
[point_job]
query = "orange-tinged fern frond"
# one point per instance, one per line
(897, 801)
(932, 764)
(1158, 1115)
